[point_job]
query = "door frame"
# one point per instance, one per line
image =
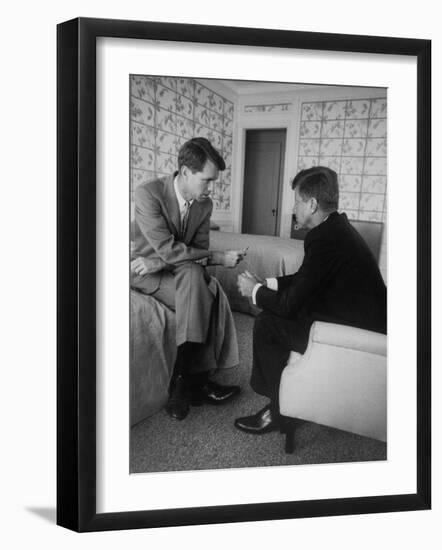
(265, 122)
(281, 177)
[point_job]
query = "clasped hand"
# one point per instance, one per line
(246, 283)
(142, 266)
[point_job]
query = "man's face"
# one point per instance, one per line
(196, 186)
(302, 210)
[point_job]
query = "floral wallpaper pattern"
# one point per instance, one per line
(164, 113)
(350, 137)
(270, 108)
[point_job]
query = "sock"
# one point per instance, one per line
(198, 379)
(184, 359)
(274, 409)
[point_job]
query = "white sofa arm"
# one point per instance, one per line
(340, 380)
(349, 337)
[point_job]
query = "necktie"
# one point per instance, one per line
(185, 218)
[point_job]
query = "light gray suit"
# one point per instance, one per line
(156, 230)
(202, 310)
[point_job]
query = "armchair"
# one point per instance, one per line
(340, 381)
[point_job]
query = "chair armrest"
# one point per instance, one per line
(340, 380)
(348, 337)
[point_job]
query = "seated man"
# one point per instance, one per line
(339, 281)
(170, 251)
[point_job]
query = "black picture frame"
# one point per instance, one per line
(76, 274)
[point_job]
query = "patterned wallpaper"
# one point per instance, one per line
(351, 138)
(268, 108)
(164, 113)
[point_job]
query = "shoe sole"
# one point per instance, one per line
(258, 432)
(195, 402)
(177, 416)
(177, 419)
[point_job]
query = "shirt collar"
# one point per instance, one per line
(179, 196)
(332, 214)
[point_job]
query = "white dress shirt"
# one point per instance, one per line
(182, 206)
(272, 283)
(181, 200)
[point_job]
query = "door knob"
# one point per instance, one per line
(273, 211)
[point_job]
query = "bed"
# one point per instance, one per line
(152, 354)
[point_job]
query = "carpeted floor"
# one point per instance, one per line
(207, 438)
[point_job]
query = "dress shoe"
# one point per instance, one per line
(212, 393)
(262, 422)
(179, 400)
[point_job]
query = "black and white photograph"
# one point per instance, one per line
(258, 272)
(238, 238)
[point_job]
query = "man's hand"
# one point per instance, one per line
(233, 257)
(143, 266)
(229, 258)
(139, 267)
(246, 283)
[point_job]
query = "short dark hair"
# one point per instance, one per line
(321, 183)
(196, 152)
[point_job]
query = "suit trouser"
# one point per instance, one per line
(273, 340)
(186, 292)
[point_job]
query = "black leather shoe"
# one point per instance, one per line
(179, 400)
(260, 423)
(213, 393)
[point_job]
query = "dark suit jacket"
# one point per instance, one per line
(156, 231)
(339, 281)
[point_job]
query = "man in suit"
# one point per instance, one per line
(170, 251)
(339, 281)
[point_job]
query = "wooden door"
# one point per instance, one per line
(263, 174)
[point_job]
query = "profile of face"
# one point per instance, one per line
(196, 185)
(303, 210)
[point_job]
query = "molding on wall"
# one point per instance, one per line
(218, 87)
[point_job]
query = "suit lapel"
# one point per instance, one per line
(172, 207)
(197, 211)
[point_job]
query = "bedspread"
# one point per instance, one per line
(152, 354)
